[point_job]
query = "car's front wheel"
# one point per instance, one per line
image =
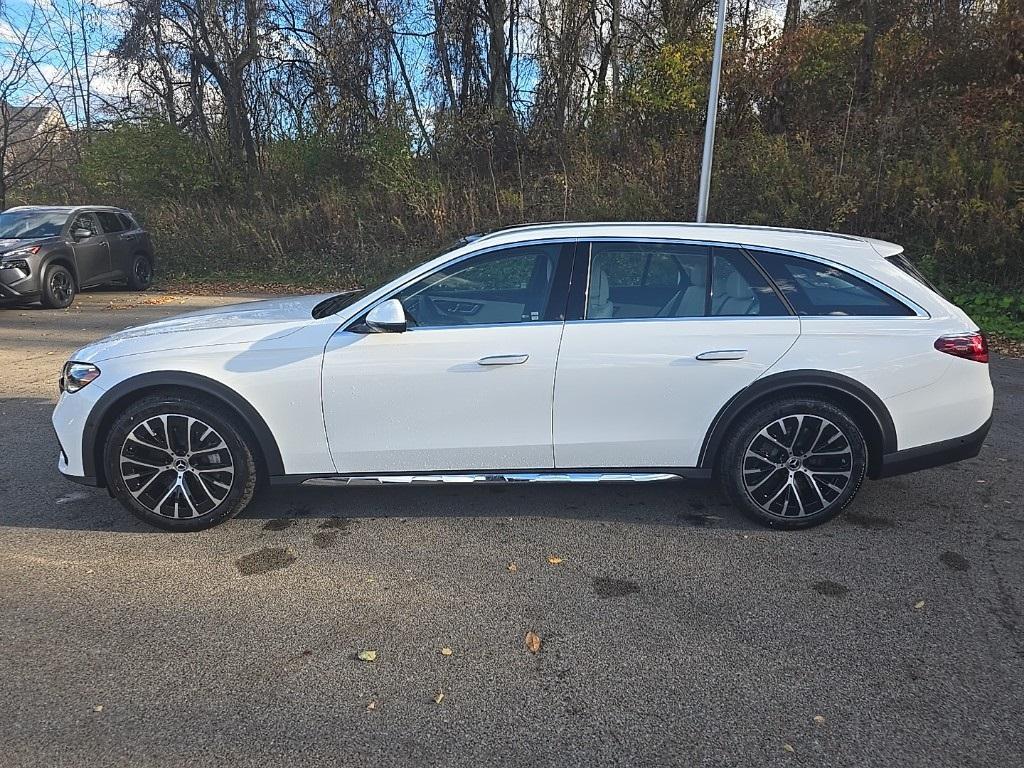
(793, 463)
(58, 287)
(179, 462)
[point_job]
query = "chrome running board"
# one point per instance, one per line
(514, 477)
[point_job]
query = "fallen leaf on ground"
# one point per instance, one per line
(819, 719)
(919, 604)
(554, 559)
(367, 656)
(788, 748)
(446, 651)
(440, 697)
(512, 567)
(532, 642)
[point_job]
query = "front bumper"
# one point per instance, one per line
(69, 419)
(16, 285)
(935, 454)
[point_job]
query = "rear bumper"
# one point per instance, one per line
(934, 454)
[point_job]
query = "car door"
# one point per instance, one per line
(658, 337)
(468, 385)
(120, 246)
(92, 254)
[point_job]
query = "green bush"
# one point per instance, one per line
(135, 163)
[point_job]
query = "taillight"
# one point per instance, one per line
(971, 346)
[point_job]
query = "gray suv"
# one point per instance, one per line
(49, 253)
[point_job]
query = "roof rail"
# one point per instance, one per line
(709, 225)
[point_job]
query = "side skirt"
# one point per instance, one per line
(513, 477)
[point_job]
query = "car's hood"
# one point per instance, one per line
(233, 324)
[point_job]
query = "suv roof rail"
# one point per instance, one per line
(553, 224)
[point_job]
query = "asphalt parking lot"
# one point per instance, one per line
(672, 631)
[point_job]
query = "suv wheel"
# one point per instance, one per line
(140, 276)
(58, 287)
(793, 463)
(179, 463)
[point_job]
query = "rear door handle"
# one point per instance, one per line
(503, 360)
(723, 354)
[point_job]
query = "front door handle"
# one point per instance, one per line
(503, 360)
(723, 354)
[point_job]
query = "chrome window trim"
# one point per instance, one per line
(697, 318)
(525, 323)
(746, 248)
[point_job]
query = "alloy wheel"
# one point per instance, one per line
(797, 466)
(176, 466)
(60, 286)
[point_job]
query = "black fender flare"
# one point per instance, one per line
(103, 413)
(791, 381)
(67, 257)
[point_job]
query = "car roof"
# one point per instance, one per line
(841, 247)
(65, 208)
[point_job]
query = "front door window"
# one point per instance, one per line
(504, 287)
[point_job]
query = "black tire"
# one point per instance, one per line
(198, 490)
(58, 290)
(140, 273)
(802, 485)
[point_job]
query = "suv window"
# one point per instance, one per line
(904, 263)
(127, 222)
(507, 286)
(110, 221)
(818, 289)
(636, 280)
(86, 221)
(739, 288)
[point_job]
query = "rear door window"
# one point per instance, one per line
(813, 288)
(639, 280)
(110, 221)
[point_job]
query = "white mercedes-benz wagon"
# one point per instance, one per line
(788, 365)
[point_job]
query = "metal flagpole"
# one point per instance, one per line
(709, 128)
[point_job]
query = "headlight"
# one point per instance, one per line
(16, 258)
(77, 375)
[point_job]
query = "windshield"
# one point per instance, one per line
(30, 225)
(335, 303)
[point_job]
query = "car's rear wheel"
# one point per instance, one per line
(179, 463)
(793, 463)
(140, 276)
(58, 287)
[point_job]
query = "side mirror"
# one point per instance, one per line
(388, 317)
(80, 233)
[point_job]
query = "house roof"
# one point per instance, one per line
(26, 122)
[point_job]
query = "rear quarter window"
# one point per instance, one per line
(903, 262)
(127, 221)
(816, 289)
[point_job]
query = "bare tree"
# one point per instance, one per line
(31, 130)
